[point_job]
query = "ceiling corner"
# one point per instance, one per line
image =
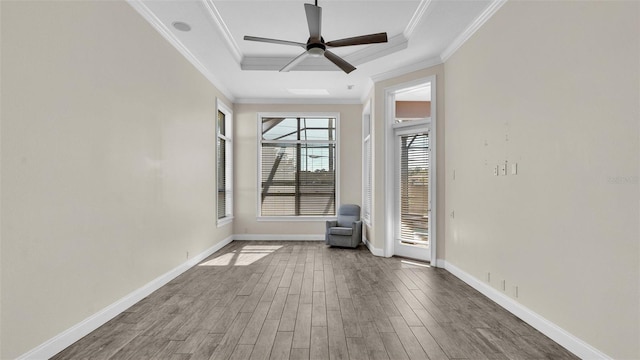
(147, 14)
(493, 7)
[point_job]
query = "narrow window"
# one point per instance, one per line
(367, 179)
(224, 164)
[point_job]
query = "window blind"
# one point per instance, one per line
(368, 179)
(414, 189)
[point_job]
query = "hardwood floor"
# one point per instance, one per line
(303, 300)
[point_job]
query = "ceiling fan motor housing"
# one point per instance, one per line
(316, 49)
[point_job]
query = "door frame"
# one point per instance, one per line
(390, 169)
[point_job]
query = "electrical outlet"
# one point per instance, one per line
(504, 285)
(495, 170)
(515, 291)
(488, 277)
(187, 254)
(453, 214)
(454, 174)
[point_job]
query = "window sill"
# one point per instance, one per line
(295, 218)
(224, 221)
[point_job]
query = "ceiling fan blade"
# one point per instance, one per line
(345, 66)
(274, 41)
(360, 40)
(314, 19)
(295, 62)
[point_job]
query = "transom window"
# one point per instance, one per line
(297, 176)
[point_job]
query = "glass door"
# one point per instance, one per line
(413, 210)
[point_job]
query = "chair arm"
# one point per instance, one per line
(357, 230)
(329, 224)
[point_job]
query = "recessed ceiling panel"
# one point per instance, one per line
(286, 20)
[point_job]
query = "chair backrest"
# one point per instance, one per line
(347, 214)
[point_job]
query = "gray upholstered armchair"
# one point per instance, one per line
(346, 231)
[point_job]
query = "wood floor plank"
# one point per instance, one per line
(404, 309)
(319, 314)
(393, 346)
(296, 279)
(319, 348)
(357, 349)
(299, 354)
(302, 332)
(306, 290)
(372, 338)
(429, 344)
(264, 344)
(250, 284)
(277, 305)
(318, 280)
(282, 345)
(289, 313)
(230, 340)
(254, 298)
(349, 318)
(337, 340)
(227, 316)
(207, 346)
(241, 352)
(409, 342)
(250, 334)
(287, 276)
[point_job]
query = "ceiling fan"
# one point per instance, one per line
(316, 46)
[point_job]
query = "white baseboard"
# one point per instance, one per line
(78, 331)
(279, 237)
(553, 331)
(374, 250)
(440, 263)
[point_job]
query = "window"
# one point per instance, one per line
(298, 162)
(224, 161)
(367, 178)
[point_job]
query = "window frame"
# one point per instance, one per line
(367, 165)
(336, 142)
(228, 138)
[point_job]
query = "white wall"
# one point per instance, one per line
(553, 86)
(107, 163)
(246, 159)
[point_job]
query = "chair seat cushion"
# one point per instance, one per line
(345, 231)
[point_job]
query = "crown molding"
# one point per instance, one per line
(299, 101)
(276, 63)
(471, 29)
(372, 52)
(420, 12)
(224, 30)
(148, 15)
(364, 97)
(421, 65)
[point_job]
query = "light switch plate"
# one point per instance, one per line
(514, 169)
(503, 169)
